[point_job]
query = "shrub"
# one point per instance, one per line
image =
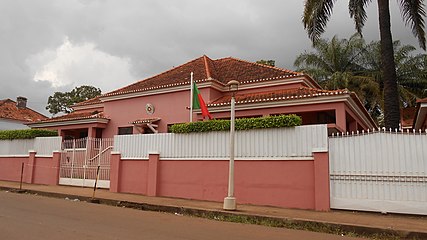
(26, 134)
(241, 124)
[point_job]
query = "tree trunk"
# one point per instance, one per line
(388, 68)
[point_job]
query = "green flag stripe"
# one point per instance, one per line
(196, 103)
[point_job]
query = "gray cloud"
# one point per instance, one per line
(151, 37)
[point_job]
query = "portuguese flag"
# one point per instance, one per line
(198, 102)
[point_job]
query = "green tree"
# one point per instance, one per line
(316, 16)
(62, 101)
(411, 71)
(332, 56)
(355, 65)
(337, 64)
(271, 63)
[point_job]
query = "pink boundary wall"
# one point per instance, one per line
(302, 184)
(37, 170)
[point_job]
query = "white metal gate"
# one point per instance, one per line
(81, 159)
(381, 171)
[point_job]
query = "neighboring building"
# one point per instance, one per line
(407, 116)
(420, 118)
(153, 104)
(14, 115)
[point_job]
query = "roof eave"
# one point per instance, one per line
(365, 113)
(312, 81)
(420, 115)
(68, 122)
(323, 99)
(280, 103)
(88, 106)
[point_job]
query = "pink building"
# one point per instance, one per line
(153, 104)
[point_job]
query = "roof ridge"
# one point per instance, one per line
(261, 65)
(207, 68)
(23, 114)
(146, 79)
(3, 101)
(34, 111)
(87, 102)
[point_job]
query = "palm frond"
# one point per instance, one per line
(358, 13)
(407, 98)
(413, 13)
(316, 16)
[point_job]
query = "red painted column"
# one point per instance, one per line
(29, 168)
(153, 169)
(115, 172)
(61, 133)
(340, 117)
(91, 132)
(321, 181)
(56, 158)
(352, 127)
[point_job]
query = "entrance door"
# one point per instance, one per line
(81, 159)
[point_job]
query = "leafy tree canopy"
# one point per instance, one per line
(356, 65)
(317, 14)
(62, 101)
(271, 63)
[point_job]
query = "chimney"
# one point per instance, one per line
(21, 102)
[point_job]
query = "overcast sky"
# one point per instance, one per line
(51, 45)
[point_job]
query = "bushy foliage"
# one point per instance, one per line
(271, 63)
(241, 124)
(62, 101)
(26, 134)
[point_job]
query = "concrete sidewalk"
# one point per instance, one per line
(406, 226)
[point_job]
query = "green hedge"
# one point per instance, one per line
(241, 124)
(26, 134)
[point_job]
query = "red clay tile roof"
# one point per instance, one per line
(76, 116)
(407, 116)
(91, 101)
(223, 70)
(277, 95)
(9, 110)
(288, 94)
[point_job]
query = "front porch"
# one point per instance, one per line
(81, 131)
(76, 125)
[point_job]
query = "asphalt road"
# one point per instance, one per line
(24, 216)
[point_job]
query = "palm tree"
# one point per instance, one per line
(334, 56)
(411, 71)
(317, 14)
(355, 65)
(337, 64)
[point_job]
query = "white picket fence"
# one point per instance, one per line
(382, 171)
(43, 146)
(81, 159)
(18, 147)
(282, 143)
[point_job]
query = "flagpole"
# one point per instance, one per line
(191, 97)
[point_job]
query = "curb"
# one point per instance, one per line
(289, 223)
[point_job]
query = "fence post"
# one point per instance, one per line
(115, 172)
(153, 169)
(30, 166)
(56, 158)
(321, 181)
